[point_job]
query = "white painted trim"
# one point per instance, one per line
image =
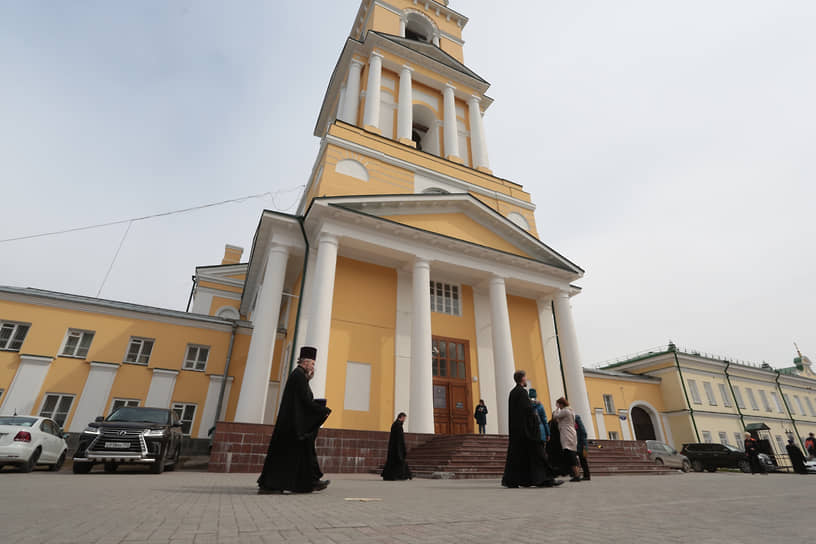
(402, 343)
(162, 385)
(667, 431)
(208, 416)
(654, 415)
(626, 428)
(94, 395)
(227, 310)
(600, 423)
(26, 384)
(215, 292)
(484, 354)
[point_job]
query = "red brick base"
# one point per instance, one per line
(241, 447)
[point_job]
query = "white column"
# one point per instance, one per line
(351, 99)
(402, 27)
(601, 423)
(451, 126)
(552, 359)
(371, 115)
(25, 386)
(321, 306)
(484, 351)
(503, 359)
(94, 394)
(252, 400)
(405, 114)
(162, 385)
(421, 416)
(625, 429)
(571, 360)
(402, 342)
(477, 137)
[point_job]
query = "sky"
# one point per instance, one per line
(668, 147)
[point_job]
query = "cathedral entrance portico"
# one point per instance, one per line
(452, 397)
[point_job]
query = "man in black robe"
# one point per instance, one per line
(291, 461)
(797, 457)
(526, 463)
(396, 468)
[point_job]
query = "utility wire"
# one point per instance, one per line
(152, 216)
(115, 255)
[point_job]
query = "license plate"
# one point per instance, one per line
(117, 445)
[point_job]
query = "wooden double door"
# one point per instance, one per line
(451, 386)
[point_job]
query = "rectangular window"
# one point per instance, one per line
(56, 407)
(726, 398)
(751, 398)
(139, 350)
(609, 404)
(695, 393)
(445, 299)
(764, 399)
(781, 443)
(12, 335)
(186, 413)
(196, 358)
(799, 405)
(709, 391)
(77, 343)
(738, 396)
(810, 406)
(739, 440)
(789, 403)
(723, 438)
(777, 402)
(118, 403)
(613, 435)
(707, 437)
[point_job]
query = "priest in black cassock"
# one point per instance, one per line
(526, 464)
(797, 457)
(396, 468)
(291, 461)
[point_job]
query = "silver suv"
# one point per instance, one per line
(663, 454)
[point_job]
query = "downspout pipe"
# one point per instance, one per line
(685, 394)
(731, 387)
(192, 291)
(226, 372)
(787, 408)
(293, 356)
(558, 347)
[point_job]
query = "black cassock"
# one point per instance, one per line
(797, 458)
(396, 468)
(291, 461)
(526, 463)
(555, 453)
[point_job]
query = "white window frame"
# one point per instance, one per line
(800, 405)
(609, 404)
(726, 398)
(738, 396)
(723, 438)
(82, 334)
(13, 336)
(695, 392)
(709, 391)
(752, 398)
(739, 437)
(810, 406)
(191, 364)
(125, 402)
(764, 398)
(778, 402)
(142, 340)
(182, 406)
(707, 437)
(613, 435)
(52, 415)
(438, 301)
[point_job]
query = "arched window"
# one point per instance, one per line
(416, 136)
(425, 131)
(228, 312)
(418, 28)
(435, 191)
(350, 167)
(519, 220)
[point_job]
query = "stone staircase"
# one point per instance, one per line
(483, 456)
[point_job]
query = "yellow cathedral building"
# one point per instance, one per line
(417, 273)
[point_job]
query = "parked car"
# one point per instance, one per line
(131, 434)
(663, 454)
(710, 457)
(28, 441)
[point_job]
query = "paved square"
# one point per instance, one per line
(199, 507)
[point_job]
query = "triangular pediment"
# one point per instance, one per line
(232, 275)
(433, 52)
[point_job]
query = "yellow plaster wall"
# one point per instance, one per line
(672, 390)
(624, 393)
(191, 388)
(364, 310)
(682, 430)
(382, 178)
(65, 375)
(527, 349)
(9, 361)
(383, 20)
(460, 226)
(131, 382)
(452, 48)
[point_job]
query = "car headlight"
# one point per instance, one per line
(91, 430)
(150, 433)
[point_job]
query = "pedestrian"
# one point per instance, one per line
(565, 417)
(396, 467)
(555, 454)
(752, 452)
(797, 457)
(526, 464)
(582, 446)
(543, 427)
(810, 445)
(291, 460)
(480, 415)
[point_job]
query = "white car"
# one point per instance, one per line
(28, 441)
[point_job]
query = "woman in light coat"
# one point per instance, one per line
(565, 417)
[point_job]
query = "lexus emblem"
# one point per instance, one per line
(122, 433)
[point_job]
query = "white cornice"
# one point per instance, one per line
(36, 359)
(218, 293)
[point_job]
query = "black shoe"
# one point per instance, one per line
(552, 483)
(264, 491)
(586, 478)
(575, 479)
(320, 485)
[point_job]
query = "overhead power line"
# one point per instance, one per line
(162, 214)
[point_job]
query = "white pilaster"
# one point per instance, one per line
(601, 423)
(405, 114)
(477, 138)
(503, 359)
(571, 360)
(371, 114)
(552, 359)
(484, 351)
(451, 126)
(402, 343)
(208, 417)
(25, 386)
(252, 400)
(421, 417)
(162, 384)
(351, 98)
(321, 306)
(625, 429)
(402, 27)
(94, 394)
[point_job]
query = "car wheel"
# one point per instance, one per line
(697, 466)
(58, 465)
(659, 462)
(110, 468)
(32, 461)
(744, 466)
(82, 468)
(176, 458)
(686, 466)
(158, 466)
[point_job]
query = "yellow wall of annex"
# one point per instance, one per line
(624, 393)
